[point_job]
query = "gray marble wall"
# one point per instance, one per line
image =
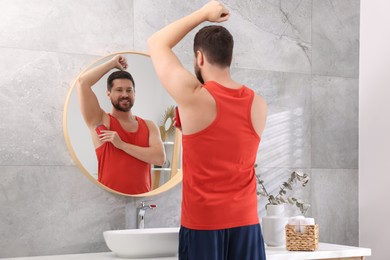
(302, 55)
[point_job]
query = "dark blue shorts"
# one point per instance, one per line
(240, 243)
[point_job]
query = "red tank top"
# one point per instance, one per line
(119, 170)
(219, 183)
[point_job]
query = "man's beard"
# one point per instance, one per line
(126, 108)
(198, 74)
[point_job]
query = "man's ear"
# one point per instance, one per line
(108, 94)
(199, 58)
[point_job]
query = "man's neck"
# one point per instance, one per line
(122, 116)
(221, 76)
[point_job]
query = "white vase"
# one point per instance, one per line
(273, 225)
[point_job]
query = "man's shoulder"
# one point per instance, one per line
(260, 99)
(149, 123)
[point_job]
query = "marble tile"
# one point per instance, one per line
(276, 36)
(54, 210)
(271, 35)
(286, 138)
(33, 90)
(90, 27)
(335, 38)
(284, 18)
(335, 143)
(152, 15)
(335, 205)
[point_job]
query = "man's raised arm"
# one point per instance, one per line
(179, 82)
(89, 104)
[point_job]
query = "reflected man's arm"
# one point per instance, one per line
(89, 104)
(153, 154)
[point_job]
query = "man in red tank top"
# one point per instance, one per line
(222, 122)
(125, 144)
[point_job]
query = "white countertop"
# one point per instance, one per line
(325, 251)
(273, 253)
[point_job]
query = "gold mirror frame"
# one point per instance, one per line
(175, 175)
(167, 117)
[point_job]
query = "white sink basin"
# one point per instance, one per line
(143, 243)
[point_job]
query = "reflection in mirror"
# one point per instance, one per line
(166, 126)
(150, 100)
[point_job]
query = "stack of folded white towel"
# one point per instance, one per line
(300, 222)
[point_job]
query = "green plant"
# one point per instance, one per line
(282, 197)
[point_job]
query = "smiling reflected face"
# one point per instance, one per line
(122, 94)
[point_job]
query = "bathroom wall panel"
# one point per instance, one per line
(151, 15)
(87, 27)
(335, 143)
(33, 88)
(272, 35)
(335, 38)
(336, 205)
(54, 210)
(278, 34)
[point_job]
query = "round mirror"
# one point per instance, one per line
(151, 103)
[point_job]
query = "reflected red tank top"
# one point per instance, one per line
(219, 183)
(119, 170)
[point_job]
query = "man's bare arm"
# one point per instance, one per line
(179, 82)
(89, 104)
(259, 114)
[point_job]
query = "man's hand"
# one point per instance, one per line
(119, 62)
(214, 11)
(112, 137)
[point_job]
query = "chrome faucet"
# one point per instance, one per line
(141, 210)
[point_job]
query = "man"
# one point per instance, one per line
(222, 122)
(125, 144)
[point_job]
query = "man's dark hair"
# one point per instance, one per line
(120, 74)
(216, 43)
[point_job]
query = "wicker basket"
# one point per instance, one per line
(302, 241)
